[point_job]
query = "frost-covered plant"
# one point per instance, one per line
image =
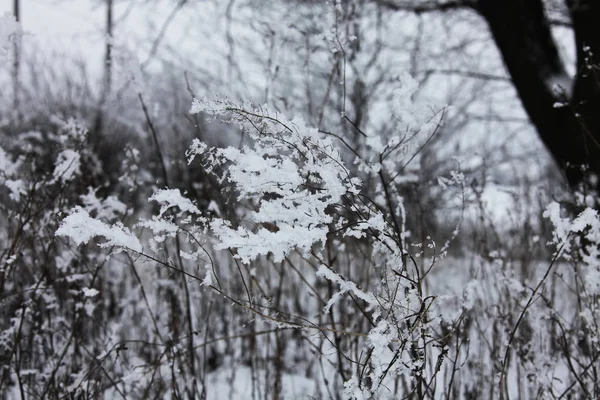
(292, 175)
(296, 197)
(50, 292)
(373, 300)
(302, 197)
(541, 330)
(578, 241)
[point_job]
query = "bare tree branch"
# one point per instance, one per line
(426, 6)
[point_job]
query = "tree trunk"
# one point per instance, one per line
(585, 15)
(107, 79)
(571, 133)
(108, 51)
(16, 61)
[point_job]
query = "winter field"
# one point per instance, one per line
(294, 199)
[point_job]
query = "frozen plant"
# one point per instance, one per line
(297, 196)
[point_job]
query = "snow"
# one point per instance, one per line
(159, 226)
(89, 292)
(81, 228)
(169, 198)
(16, 187)
(107, 209)
(592, 282)
(290, 180)
(67, 166)
(251, 244)
(7, 167)
(345, 286)
(8, 170)
(290, 171)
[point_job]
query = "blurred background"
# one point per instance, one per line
(127, 71)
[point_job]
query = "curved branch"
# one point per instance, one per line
(427, 6)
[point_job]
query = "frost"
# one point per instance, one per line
(345, 286)
(89, 292)
(380, 338)
(197, 148)
(161, 228)
(81, 228)
(106, 209)
(592, 282)
(158, 226)
(561, 227)
(586, 225)
(290, 172)
(214, 207)
(564, 227)
(255, 174)
(352, 390)
(169, 198)
(89, 309)
(250, 245)
(16, 187)
(66, 166)
(7, 167)
(71, 130)
(208, 279)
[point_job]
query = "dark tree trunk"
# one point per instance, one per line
(17, 59)
(521, 31)
(108, 51)
(586, 91)
(107, 81)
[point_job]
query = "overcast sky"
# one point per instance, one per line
(61, 22)
(76, 27)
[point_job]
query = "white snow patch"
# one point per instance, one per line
(89, 292)
(80, 227)
(66, 166)
(172, 198)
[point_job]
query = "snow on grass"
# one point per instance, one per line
(81, 228)
(169, 198)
